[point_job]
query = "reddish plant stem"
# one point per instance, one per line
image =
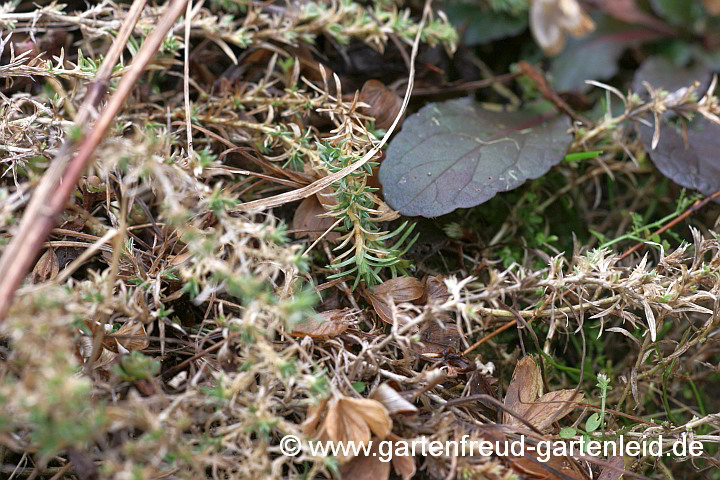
(694, 208)
(539, 78)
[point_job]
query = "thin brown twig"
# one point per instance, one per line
(694, 208)
(508, 325)
(52, 194)
(539, 78)
(38, 219)
(186, 79)
(178, 368)
(464, 86)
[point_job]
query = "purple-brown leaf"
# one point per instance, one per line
(457, 154)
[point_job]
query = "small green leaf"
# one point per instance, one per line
(593, 422)
(580, 156)
(567, 432)
(359, 386)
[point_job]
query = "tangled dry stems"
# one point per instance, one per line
(218, 289)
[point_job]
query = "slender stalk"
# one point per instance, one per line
(52, 195)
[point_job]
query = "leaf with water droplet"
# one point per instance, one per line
(457, 154)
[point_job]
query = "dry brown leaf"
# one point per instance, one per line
(180, 259)
(46, 268)
(616, 473)
(482, 384)
(328, 324)
(367, 467)
(522, 398)
(551, 407)
(404, 466)
(130, 329)
(314, 415)
(392, 400)
(353, 420)
(712, 6)
(384, 103)
(525, 387)
(551, 20)
(310, 223)
(535, 468)
(437, 291)
(400, 290)
(437, 338)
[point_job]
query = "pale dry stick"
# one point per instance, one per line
(70, 269)
(330, 229)
(61, 473)
(102, 318)
(186, 76)
(53, 193)
(530, 314)
(325, 182)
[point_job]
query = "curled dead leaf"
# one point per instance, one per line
(131, 336)
(369, 467)
(404, 465)
(384, 103)
(523, 397)
(551, 20)
(46, 268)
(374, 466)
(397, 290)
(438, 337)
(393, 401)
(353, 419)
(437, 291)
(314, 415)
(347, 420)
(308, 221)
(328, 324)
(525, 387)
(551, 407)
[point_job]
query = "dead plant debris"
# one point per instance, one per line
(198, 259)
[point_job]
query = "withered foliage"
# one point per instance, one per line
(166, 331)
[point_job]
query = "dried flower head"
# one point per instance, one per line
(552, 20)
